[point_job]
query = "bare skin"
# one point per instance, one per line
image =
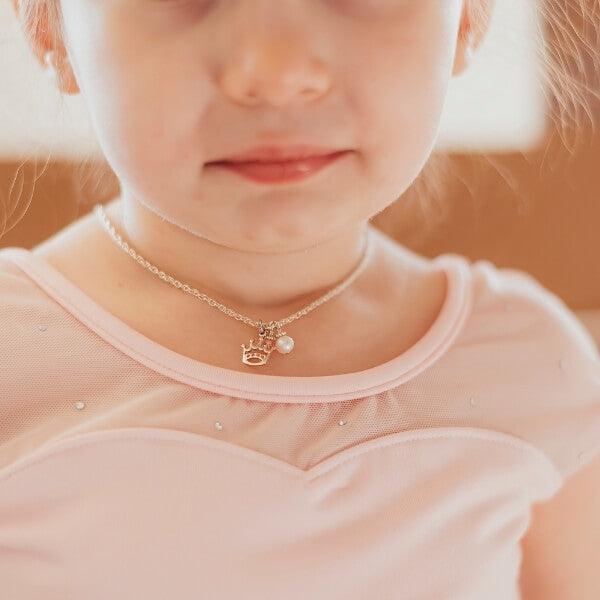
(344, 335)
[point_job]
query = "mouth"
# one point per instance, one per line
(273, 154)
(269, 170)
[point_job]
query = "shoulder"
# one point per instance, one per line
(24, 313)
(536, 364)
(47, 357)
(15, 285)
(34, 328)
(514, 304)
(22, 297)
(22, 301)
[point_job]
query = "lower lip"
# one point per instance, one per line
(281, 172)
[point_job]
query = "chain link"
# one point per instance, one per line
(99, 211)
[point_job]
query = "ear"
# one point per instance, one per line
(36, 25)
(474, 25)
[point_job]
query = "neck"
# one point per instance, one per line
(282, 279)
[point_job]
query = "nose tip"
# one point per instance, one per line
(275, 75)
(282, 93)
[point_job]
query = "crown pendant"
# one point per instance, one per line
(270, 337)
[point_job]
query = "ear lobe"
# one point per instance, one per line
(61, 65)
(67, 83)
(42, 42)
(63, 71)
(465, 51)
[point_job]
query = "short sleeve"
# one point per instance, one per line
(556, 401)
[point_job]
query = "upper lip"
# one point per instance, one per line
(279, 153)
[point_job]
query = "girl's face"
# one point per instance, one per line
(174, 84)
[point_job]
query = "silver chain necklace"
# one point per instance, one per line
(270, 335)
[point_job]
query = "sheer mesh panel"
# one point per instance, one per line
(522, 371)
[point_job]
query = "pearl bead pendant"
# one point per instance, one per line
(285, 344)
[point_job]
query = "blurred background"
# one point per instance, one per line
(514, 179)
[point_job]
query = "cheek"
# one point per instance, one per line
(132, 92)
(99, 60)
(402, 98)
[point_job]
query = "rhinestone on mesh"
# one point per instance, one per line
(472, 401)
(80, 405)
(218, 426)
(342, 422)
(42, 328)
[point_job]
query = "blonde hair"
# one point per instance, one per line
(568, 53)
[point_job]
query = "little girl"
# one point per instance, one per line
(227, 383)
